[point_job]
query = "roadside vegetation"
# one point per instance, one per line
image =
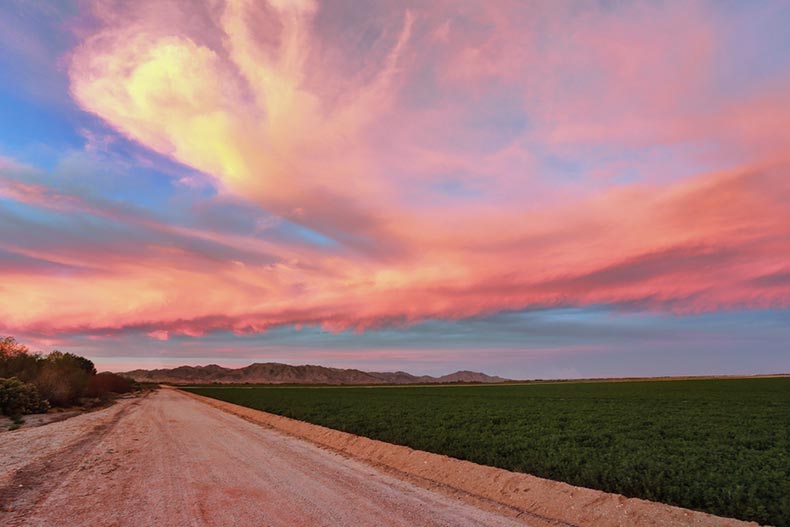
(719, 445)
(33, 383)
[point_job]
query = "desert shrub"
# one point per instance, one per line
(18, 398)
(61, 387)
(63, 378)
(60, 378)
(104, 383)
(71, 361)
(17, 361)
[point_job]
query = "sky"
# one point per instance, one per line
(542, 189)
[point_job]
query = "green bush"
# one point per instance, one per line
(18, 398)
(62, 379)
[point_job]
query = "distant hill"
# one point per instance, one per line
(276, 373)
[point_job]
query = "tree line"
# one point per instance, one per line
(34, 382)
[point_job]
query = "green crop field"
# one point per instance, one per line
(718, 445)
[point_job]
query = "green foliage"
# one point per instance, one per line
(60, 378)
(18, 398)
(721, 446)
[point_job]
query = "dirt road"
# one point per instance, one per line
(168, 459)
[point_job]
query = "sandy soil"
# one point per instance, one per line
(34, 420)
(56, 414)
(169, 459)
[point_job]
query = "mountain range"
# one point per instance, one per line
(276, 373)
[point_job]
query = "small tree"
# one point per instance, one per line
(17, 361)
(63, 377)
(10, 347)
(70, 360)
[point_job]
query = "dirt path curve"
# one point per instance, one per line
(167, 459)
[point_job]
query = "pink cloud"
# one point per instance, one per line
(356, 147)
(159, 334)
(688, 248)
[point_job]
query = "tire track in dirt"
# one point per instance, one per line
(31, 484)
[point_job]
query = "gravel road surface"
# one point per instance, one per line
(168, 459)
